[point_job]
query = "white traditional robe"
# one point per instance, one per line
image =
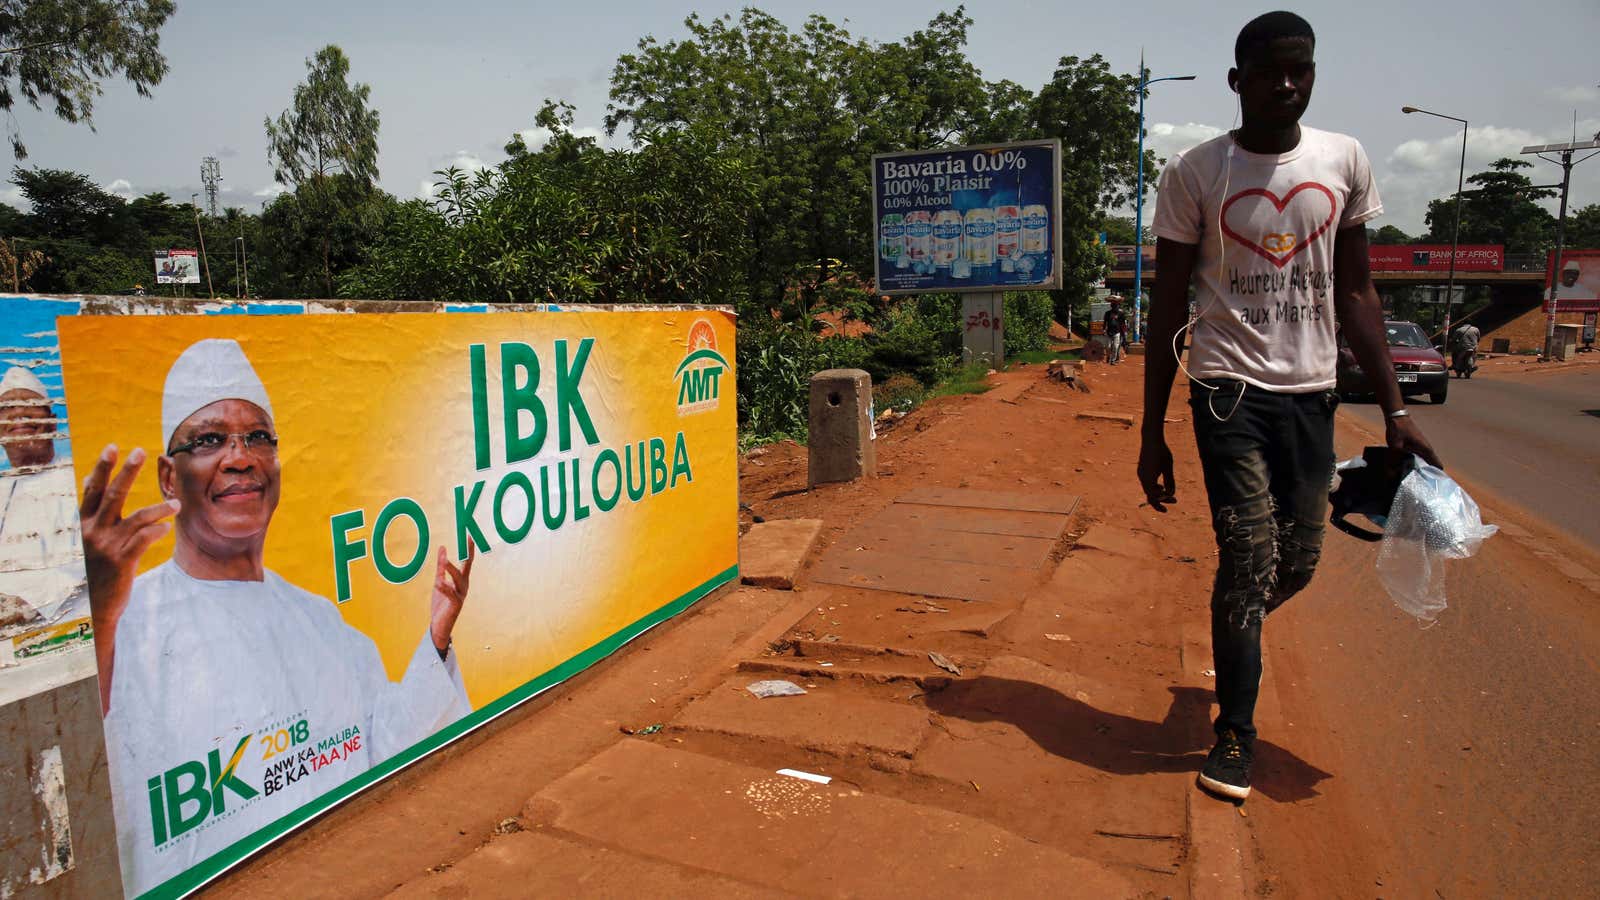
(41, 554)
(202, 665)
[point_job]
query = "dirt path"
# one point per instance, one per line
(1060, 759)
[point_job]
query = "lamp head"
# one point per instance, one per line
(1408, 110)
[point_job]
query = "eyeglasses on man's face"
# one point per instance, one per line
(260, 442)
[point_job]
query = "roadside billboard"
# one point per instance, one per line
(177, 267)
(388, 530)
(1577, 278)
(1435, 257)
(981, 218)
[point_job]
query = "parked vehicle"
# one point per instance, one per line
(1418, 366)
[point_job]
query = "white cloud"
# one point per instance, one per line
(11, 195)
(537, 136)
(268, 192)
(1583, 93)
(1167, 139)
(1418, 171)
(121, 187)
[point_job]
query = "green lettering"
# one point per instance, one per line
(634, 493)
(400, 506)
(513, 357)
(600, 499)
(579, 511)
(508, 534)
(467, 521)
(554, 522)
(680, 462)
(480, 405)
(158, 816)
(569, 400)
(658, 465)
(195, 793)
(223, 777)
(346, 551)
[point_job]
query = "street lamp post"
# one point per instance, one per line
(1455, 233)
(1138, 203)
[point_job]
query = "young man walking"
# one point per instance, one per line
(1269, 223)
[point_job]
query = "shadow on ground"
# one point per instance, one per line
(1118, 744)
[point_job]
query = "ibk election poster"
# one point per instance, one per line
(177, 266)
(45, 630)
(320, 547)
(982, 218)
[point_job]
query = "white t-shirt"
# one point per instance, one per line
(1265, 225)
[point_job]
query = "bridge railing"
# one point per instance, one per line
(1525, 262)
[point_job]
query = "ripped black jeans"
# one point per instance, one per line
(1267, 468)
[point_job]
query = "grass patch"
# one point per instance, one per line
(966, 380)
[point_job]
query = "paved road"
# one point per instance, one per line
(1532, 439)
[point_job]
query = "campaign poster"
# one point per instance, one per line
(984, 218)
(1576, 281)
(45, 634)
(385, 530)
(177, 267)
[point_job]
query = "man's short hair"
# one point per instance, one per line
(1269, 27)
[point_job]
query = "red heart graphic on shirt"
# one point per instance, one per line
(1272, 246)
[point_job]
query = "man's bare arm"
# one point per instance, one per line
(1360, 314)
(1169, 307)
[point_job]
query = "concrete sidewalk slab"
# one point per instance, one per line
(826, 719)
(883, 571)
(979, 521)
(1056, 502)
(827, 840)
(772, 552)
(511, 865)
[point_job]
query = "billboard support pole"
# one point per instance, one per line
(1566, 163)
(203, 261)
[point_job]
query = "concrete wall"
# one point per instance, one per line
(58, 837)
(1526, 332)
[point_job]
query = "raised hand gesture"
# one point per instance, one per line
(112, 547)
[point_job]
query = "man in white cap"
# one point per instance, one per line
(41, 566)
(233, 697)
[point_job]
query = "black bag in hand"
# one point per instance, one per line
(1369, 490)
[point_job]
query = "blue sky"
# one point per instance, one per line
(453, 81)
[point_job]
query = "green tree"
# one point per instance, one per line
(325, 148)
(1583, 228)
(574, 223)
(58, 52)
(1388, 234)
(1499, 210)
(67, 205)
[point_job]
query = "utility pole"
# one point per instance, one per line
(193, 198)
(1138, 200)
(1566, 162)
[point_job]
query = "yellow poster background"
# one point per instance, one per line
(374, 407)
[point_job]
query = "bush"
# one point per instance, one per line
(1027, 318)
(776, 361)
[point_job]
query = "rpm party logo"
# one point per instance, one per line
(699, 375)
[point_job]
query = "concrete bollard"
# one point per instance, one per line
(841, 447)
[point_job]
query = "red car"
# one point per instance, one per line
(1418, 366)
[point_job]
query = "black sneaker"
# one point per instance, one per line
(1227, 769)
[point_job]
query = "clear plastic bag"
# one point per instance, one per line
(1432, 520)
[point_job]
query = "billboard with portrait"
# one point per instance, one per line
(324, 546)
(1577, 280)
(177, 267)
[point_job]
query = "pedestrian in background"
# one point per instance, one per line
(1116, 322)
